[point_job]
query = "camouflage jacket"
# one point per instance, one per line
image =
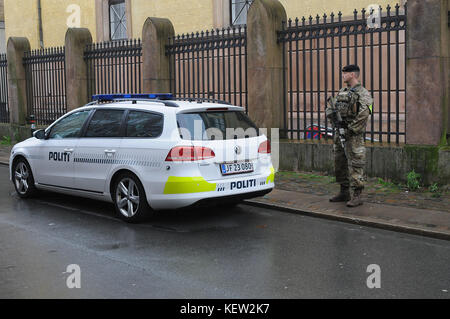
(355, 106)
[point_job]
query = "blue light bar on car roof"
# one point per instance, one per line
(112, 97)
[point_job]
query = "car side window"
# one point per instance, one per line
(144, 124)
(105, 123)
(70, 126)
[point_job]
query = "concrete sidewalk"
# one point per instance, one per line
(5, 151)
(432, 223)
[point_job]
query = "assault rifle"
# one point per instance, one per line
(335, 117)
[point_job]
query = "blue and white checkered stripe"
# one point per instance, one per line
(90, 158)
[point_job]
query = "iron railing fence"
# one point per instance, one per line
(46, 84)
(114, 67)
(315, 52)
(211, 64)
(4, 109)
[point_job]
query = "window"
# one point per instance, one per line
(69, 126)
(105, 123)
(239, 9)
(144, 124)
(215, 125)
(117, 20)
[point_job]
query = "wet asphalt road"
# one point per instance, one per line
(246, 252)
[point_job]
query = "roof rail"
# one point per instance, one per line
(165, 98)
(109, 97)
(166, 103)
(158, 98)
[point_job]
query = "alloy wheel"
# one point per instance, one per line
(21, 175)
(127, 197)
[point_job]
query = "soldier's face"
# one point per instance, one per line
(347, 76)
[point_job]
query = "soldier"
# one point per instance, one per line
(352, 106)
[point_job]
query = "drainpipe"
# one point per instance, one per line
(41, 33)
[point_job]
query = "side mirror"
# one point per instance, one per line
(39, 134)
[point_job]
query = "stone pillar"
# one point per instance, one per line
(427, 72)
(265, 63)
(17, 92)
(156, 65)
(76, 67)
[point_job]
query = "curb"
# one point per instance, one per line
(354, 220)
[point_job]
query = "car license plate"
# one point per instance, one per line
(236, 168)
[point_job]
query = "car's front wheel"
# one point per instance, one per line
(23, 178)
(129, 199)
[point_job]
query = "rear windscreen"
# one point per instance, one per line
(215, 125)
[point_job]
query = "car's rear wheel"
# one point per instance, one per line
(129, 199)
(23, 179)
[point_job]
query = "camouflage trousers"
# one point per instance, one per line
(349, 169)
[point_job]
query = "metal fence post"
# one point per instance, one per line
(45, 81)
(210, 65)
(76, 68)
(380, 53)
(157, 76)
(4, 109)
(114, 67)
(17, 91)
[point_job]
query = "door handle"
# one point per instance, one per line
(110, 151)
(68, 150)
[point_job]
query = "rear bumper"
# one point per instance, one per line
(178, 192)
(186, 191)
(175, 201)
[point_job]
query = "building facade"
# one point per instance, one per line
(2, 28)
(44, 22)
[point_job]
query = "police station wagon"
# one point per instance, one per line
(145, 153)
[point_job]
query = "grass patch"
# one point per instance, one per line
(387, 186)
(434, 189)
(6, 140)
(312, 176)
(306, 176)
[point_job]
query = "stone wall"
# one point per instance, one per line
(389, 162)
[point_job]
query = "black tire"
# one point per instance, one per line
(129, 209)
(22, 178)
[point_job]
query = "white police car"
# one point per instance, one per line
(146, 153)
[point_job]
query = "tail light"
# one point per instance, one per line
(264, 147)
(189, 154)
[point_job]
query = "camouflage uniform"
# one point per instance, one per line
(355, 106)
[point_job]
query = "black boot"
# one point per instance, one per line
(343, 196)
(356, 200)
